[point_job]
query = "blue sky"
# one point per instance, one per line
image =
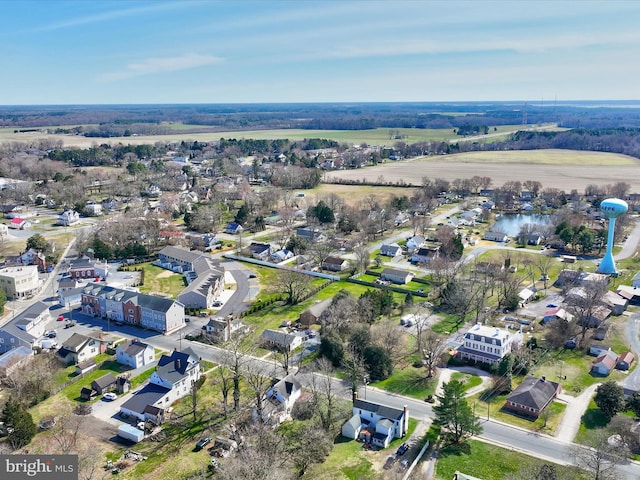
(236, 51)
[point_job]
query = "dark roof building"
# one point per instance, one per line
(532, 396)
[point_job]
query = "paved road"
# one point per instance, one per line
(632, 330)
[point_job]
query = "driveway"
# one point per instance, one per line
(576, 406)
(108, 411)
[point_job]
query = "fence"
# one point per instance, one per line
(79, 377)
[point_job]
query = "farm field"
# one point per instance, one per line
(563, 169)
(377, 136)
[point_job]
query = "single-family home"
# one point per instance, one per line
(605, 362)
(415, 243)
(486, 344)
(390, 250)
(635, 281)
(335, 264)
(376, 424)
(134, 353)
(595, 316)
(532, 396)
(598, 349)
(93, 209)
(312, 235)
(19, 223)
(533, 239)
(394, 275)
(630, 293)
(104, 384)
(68, 217)
(557, 313)
(615, 302)
(495, 236)
(260, 251)
(222, 329)
(425, 254)
(281, 255)
(312, 314)
(281, 339)
(70, 297)
(173, 378)
(280, 399)
(78, 348)
(233, 228)
(624, 361)
(526, 294)
(576, 278)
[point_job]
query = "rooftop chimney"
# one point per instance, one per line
(355, 396)
(177, 364)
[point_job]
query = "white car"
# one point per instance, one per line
(109, 396)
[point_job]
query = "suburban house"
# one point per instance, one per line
(30, 257)
(280, 398)
(281, 339)
(27, 327)
(134, 353)
(310, 234)
(605, 362)
(78, 348)
(104, 384)
(147, 311)
(576, 278)
(557, 313)
(635, 281)
(624, 361)
(376, 424)
(616, 303)
(392, 250)
(93, 209)
(222, 329)
(335, 264)
(597, 349)
(19, 282)
(172, 379)
(68, 217)
(281, 255)
(495, 236)
(312, 314)
(14, 359)
(425, 254)
(83, 268)
(486, 344)
(19, 223)
(233, 228)
(260, 251)
(532, 396)
(395, 275)
(415, 243)
(596, 316)
(70, 297)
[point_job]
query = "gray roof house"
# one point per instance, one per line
(390, 250)
(312, 314)
(134, 353)
(25, 328)
(335, 264)
(281, 339)
(395, 275)
(79, 348)
(532, 396)
(105, 383)
(375, 423)
(259, 250)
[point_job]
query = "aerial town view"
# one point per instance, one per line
(346, 240)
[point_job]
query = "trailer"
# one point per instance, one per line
(131, 433)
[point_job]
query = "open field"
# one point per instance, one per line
(377, 136)
(563, 169)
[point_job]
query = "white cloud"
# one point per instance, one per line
(161, 65)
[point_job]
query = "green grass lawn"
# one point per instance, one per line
(593, 418)
(485, 461)
(72, 392)
(468, 380)
(158, 279)
(409, 381)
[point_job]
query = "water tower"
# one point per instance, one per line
(612, 209)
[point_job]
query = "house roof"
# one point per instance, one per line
(105, 380)
(626, 357)
(394, 272)
(606, 358)
(287, 386)
(180, 253)
(75, 341)
(334, 261)
(174, 367)
(392, 248)
(380, 410)
(487, 334)
(278, 337)
(147, 395)
(157, 304)
(258, 248)
(87, 363)
(18, 221)
(132, 347)
(14, 355)
(534, 392)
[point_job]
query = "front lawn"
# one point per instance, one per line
(472, 458)
(409, 381)
(72, 392)
(158, 279)
(467, 379)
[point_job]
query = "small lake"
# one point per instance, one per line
(511, 223)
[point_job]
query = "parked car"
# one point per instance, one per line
(217, 303)
(405, 463)
(402, 449)
(551, 305)
(70, 324)
(110, 396)
(203, 442)
(51, 334)
(61, 318)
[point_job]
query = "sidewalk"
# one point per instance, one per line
(576, 406)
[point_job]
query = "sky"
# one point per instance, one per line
(238, 51)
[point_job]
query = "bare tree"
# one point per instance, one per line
(363, 258)
(319, 252)
(295, 285)
(584, 304)
(599, 457)
(324, 394)
(544, 264)
(225, 380)
(433, 347)
(383, 336)
(258, 383)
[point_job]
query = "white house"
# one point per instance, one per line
(280, 398)
(68, 217)
(494, 236)
(486, 344)
(94, 209)
(281, 339)
(395, 275)
(79, 348)
(415, 242)
(134, 353)
(390, 250)
(172, 379)
(376, 424)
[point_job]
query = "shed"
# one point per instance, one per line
(104, 384)
(624, 361)
(86, 366)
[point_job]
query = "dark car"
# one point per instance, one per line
(252, 275)
(203, 442)
(402, 449)
(551, 305)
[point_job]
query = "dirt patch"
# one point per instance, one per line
(165, 274)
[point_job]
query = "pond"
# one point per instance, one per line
(511, 223)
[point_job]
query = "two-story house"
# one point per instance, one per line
(174, 377)
(68, 217)
(222, 329)
(26, 328)
(376, 424)
(486, 344)
(280, 398)
(134, 353)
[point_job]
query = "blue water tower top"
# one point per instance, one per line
(613, 207)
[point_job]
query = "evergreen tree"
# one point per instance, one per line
(243, 213)
(17, 416)
(610, 399)
(454, 414)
